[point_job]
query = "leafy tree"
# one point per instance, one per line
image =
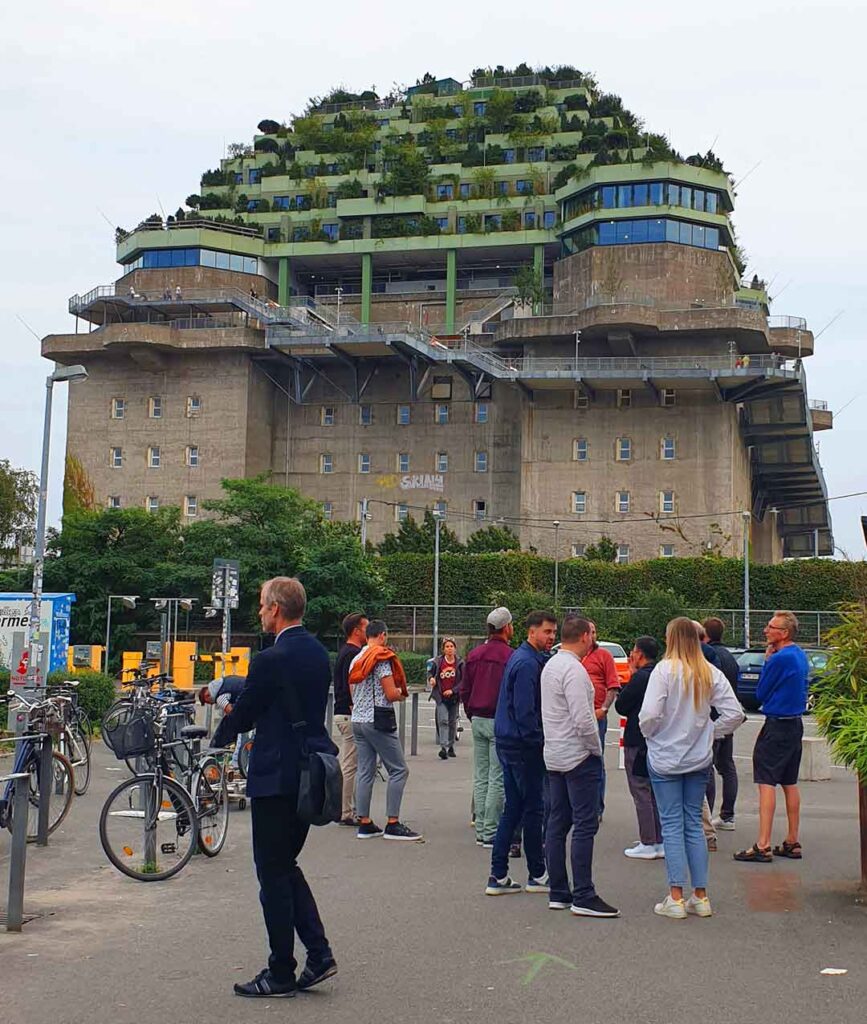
(531, 285)
(78, 492)
(268, 127)
(19, 492)
(493, 538)
(500, 109)
(408, 170)
(419, 538)
(605, 550)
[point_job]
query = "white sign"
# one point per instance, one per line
(423, 482)
(14, 621)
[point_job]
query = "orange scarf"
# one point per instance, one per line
(365, 663)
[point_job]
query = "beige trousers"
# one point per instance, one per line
(348, 760)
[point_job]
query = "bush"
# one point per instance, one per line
(96, 691)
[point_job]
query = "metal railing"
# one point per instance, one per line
(792, 323)
(199, 223)
(496, 305)
(819, 404)
(516, 81)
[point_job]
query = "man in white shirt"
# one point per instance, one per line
(573, 758)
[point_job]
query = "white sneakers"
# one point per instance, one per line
(645, 851)
(678, 909)
(724, 824)
(538, 884)
(698, 905)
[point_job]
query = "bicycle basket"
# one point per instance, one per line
(129, 731)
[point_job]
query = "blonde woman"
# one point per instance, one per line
(675, 720)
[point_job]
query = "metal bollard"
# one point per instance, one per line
(413, 729)
(46, 777)
(329, 713)
(18, 855)
(402, 724)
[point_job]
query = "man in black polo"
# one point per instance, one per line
(355, 633)
(723, 750)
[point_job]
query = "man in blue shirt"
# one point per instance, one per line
(782, 695)
(520, 741)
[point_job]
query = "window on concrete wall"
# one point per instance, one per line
(194, 405)
(328, 510)
(191, 505)
(624, 398)
(365, 415)
(667, 449)
(580, 449)
(579, 502)
(442, 462)
(582, 400)
(622, 554)
(666, 551)
(578, 550)
(152, 503)
(403, 462)
(326, 463)
(404, 417)
(364, 463)
(154, 457)
(192, 456)
(441, 389)
(480, 508)
(327, 416)
(115, 458)
(666, 501)
(623, 449)
(481, 462)
(155, 407)
(441, 414)
(480, 412)
(401, 512)
(622, 502)
(667, 398)
(114, 501)
(118, 408)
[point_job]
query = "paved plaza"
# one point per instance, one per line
(416, 939)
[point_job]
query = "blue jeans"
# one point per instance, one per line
(603, 729)
(679, 799)
(574, 799)
(523, 775)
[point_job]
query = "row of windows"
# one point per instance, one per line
(667, 398)
(152, 503)
(120, 406)
(494, 221)
(624, 450)
(402, 512)
(155, 458)
(623, 552)
(634, 232)
(655, 193)
(328, 414)
(402, 462)
(622, 502)
(159, 259)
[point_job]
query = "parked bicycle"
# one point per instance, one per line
(144, 691)
(74, 738)
(45, 719)
(152, 824)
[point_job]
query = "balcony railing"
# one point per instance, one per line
(792, 323)
(819, 404)
(198, 224)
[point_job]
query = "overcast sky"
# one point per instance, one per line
(113, 109)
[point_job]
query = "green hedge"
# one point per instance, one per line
(96, 691)
(700, 582)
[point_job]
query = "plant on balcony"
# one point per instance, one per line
(429, 226)
(473, 223)
(575, 101)
(659, 149)
(531, 285)
(266, 146)
(120, 235)
(484, 183)
(218, 177)
(563, 176)
(239, 151)
(511, 220)
(350, 189)
(268, 127)
(241, 202)
(351, 230)
(529, 101)
(710, 160)
(272, 170)
(408, 170)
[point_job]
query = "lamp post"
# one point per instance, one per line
(746, 518)
(170, 608)
(556, 562)
(365, 518)
(438, 518)
(128, 601)
(69, 374)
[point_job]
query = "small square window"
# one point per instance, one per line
(192, 456)
(365, 415)
(667, 449)
(481, 462)
(579, 502)
(623, 449)
(481, 412)
(154, 457)
(624, 398)
(441, 414)
(580, 450)
(403, 462)
(155, 407)
(194, 405)
(480, 509)
(328, 510)
(441, 507)
(442, 462)
(401, 513)
(578, 550)
(114, 501)
(623, 502)
(191, 505)
(403, 416)
(622, 554)
(115, 457)
(327, 415)
(153, 503)
(667, 398)
(118, 408)
(666, 501)
(364, 463)
(582, 400)
(666, 551)
(326, 463)
(441, 388)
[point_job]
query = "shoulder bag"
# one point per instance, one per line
(320, 781)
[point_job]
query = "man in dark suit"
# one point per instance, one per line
(286, 683)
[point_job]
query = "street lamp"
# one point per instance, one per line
(438, 520)
(69, 375)
(365, 519)
(170, 608)
(746, 518)
(128, 601)
(556, 562)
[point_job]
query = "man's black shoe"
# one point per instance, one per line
(442, 754)
(595, 906)
(452, 752)
(315, 973)
(266, 986)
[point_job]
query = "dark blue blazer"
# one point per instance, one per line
(293, 674)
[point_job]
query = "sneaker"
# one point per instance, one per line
(266, 986)
(501, 886)
(711, 844)
(515, 851)
(660, 851)
(698, 905)
(671, 908)
(595, 906)
(557, 905)
(349, 822)
(641, 851)
(368, 831)
(442, 754)
(538, 884)
(724, 824)
(397, 830)
(451, 752)
(313, 974)
(488, 844)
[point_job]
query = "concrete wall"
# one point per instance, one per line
(153, 282)
(424, 309)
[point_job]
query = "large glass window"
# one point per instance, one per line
(535, 153)
(403, 462)
(442, 462)
(465, 190)
(508, 156)
(624, 195)
(445, 191)
(711, 202)
(607, 233)
(686, 197)
(550, 218)
(580, 450)
(639, 195)
(656, 193)
(529, 219)
(609, 197)
(674, 195)
(656, 231)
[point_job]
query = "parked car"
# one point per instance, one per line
(621, 660)
(750, 668)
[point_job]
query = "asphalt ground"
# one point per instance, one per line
(417, 940)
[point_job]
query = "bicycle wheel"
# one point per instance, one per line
(78, 752)
(142, 764)
(148, 828)
(62, 789)
(211, 797)
(244, 757)
(82, 720)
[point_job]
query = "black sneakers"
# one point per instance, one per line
(397, 830)
(594, 907)
(443, 756)
(266, 986)
(368, 831)
(313, 974)
(451, 752)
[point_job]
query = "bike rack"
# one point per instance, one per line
(18, 856)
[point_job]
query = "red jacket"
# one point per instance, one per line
(483, 673)
(603, 673)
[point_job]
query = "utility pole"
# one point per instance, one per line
(746, 518)
(364, 524)
(556, 563)
(438, 518)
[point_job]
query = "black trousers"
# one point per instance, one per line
(724, 762)
(287, 902)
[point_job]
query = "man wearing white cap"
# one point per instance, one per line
(480, 688)
(224, 692)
